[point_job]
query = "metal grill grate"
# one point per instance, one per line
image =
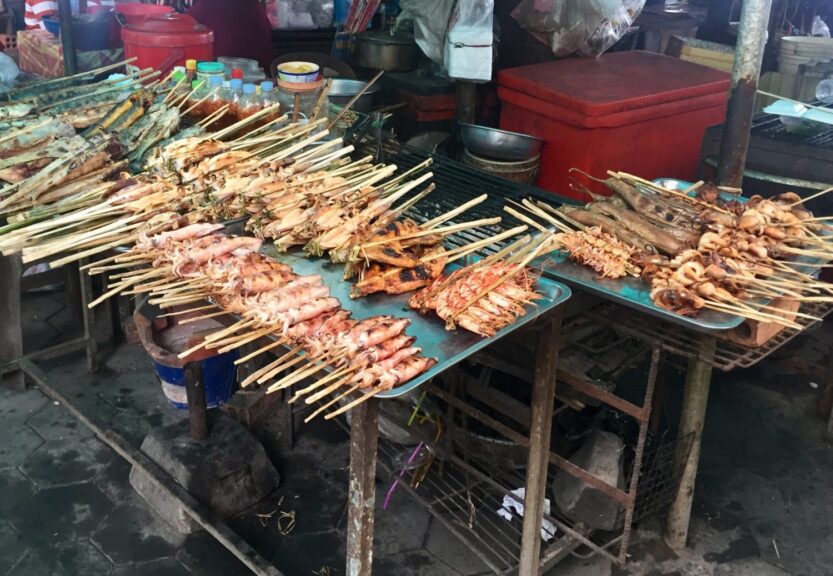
(458, 183)
(770, 126)
(728, 355)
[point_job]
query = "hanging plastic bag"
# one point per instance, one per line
(586, 27)
(430, 21)
(819, 28)
(468, 44)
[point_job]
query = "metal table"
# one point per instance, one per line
(449, 348)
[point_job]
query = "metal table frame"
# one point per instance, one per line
(79, 292)
(364, 433)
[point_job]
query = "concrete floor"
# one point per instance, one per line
(762, 502)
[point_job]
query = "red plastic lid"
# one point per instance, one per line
(614, 83)
(236, 73)
(167, 30)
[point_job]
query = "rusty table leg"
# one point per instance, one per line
(540, 429)
(11, 331)
(361, 503)
(698, 381)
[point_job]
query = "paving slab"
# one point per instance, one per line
(413, 563)
(17, 406)
(62, 514)
(17, 443)
(67, 461)
(68, 559)
(403, 526)
(14, 488)
(202, 555)
(132, 533)
(442, 544)
(54, 422)
(12, 547)
(312, 553)
(164, 567)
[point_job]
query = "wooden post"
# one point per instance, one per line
(466, 101)
(67, 38)
(361, 501)
(693, 418)
(540, 429)
(87, 296)
(11, 332)
(197, 409)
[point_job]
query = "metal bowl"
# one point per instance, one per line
(342, 91)
(499, 144)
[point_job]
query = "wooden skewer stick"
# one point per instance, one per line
(202, 316)
(191, 93)
(351, 405)
(200, 101)
(250, 338)
(331, 402)
(444, 231)
(761, 316)
(255, 375)
(90, 73)
(418, 168)
(118, 288)
(451, 214)
(353, 100)
(261, 350)
(205, 342)
(336, 375)
(214, 116)
(526, 219)
(236, 327)
(300, 374)
(188, 311)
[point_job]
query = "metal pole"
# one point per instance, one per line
(67, 38)
(749, 53)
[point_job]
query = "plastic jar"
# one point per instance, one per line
(208, 70)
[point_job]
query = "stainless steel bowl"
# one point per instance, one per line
(342, 91)
(499, 144)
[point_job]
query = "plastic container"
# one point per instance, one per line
(135, 12)
(162, 42)
(163, 343)
(298, 72)
(208, 70)
(636, 111)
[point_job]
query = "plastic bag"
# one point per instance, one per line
(468, 43)
(8, 70)
(586, 27)
(430, 20)
(819, 28)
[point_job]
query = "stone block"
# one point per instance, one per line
(228, 473)
(600, 455)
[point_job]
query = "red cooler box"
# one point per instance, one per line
(635, 112)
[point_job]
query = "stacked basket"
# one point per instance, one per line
(798, 50)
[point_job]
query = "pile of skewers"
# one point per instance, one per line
(729, 256)
(196, 263)
(188, 180)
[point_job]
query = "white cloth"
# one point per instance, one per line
(515, 504)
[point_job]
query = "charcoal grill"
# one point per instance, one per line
(780, 160)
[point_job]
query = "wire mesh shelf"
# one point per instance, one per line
(728, 355)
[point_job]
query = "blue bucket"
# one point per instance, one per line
(218, 370)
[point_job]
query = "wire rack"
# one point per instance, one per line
(456, 184)
(728, 355)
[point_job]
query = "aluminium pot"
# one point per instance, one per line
(379, 50)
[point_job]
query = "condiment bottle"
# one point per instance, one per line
(207, 70)
(237, 74)
(268, 97)
(215, 101)
(191, 68)
(235, 92)
(249, 103)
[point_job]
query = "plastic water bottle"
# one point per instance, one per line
(824, 91)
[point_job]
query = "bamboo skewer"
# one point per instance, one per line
(443, 231)
(255, 375)
(351, 405)
(337, 374)
(330, 403)
(261, 350)
(200, 101)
